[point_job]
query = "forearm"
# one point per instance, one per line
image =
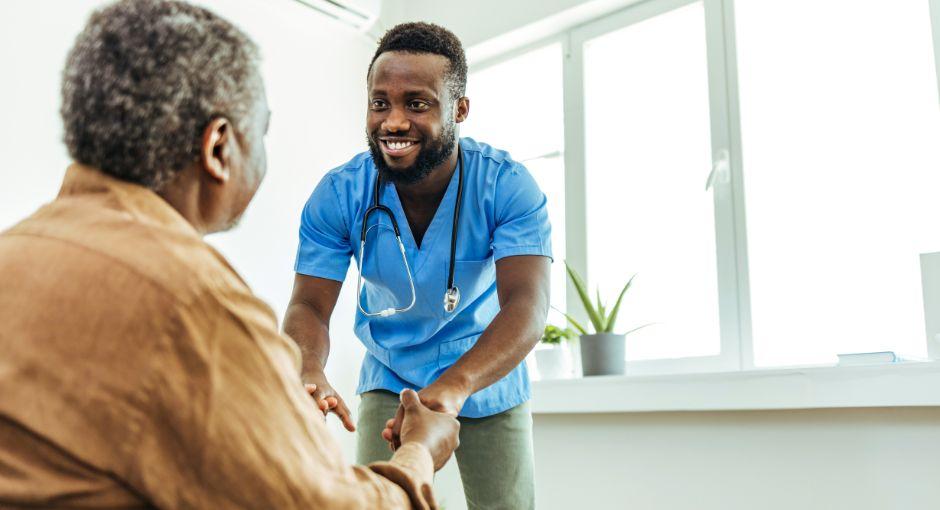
(286, 460)
(503, 345)
(311, 333)
(412, 469)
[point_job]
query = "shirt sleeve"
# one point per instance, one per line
(324, 248)
(522, 226)
(232, 426)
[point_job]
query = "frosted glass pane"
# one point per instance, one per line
(841, 142)
(550, 174)
(517, 106)
(648, 155)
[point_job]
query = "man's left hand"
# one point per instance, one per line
(438, 397)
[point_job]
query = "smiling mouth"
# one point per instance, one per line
(398, 148)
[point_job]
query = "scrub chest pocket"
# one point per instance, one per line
(475, 278)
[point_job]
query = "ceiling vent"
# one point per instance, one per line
(360, 14)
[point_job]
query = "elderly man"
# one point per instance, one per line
(138, 369)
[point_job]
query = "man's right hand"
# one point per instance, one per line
(326, 398)
(438, 432)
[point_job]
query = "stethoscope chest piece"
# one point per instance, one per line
(451, 299)
(452, 293)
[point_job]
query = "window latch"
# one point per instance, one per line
(721, 170)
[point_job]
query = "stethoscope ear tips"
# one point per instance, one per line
(451, 299)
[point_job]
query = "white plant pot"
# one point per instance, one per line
(554, 362)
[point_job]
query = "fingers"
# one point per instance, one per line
(314, 391)
(343, 412)
(389, 436)
(395, 430)
(328, 401)
(388, 432)
(409, 399)
(322, 404)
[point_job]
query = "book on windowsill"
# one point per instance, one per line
(871, 358)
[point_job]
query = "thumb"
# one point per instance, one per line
(409, 399)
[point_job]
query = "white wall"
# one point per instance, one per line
(477, 21)
(487, 27)
(858, 459)
(314, 71)
(32, 51)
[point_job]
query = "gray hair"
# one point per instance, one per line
(143, 81)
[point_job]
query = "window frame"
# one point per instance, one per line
(737, 342)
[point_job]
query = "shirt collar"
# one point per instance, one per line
(140, 202)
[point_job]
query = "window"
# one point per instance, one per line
(815, 126)
(841, 142)
(647, 156)
(516, 106)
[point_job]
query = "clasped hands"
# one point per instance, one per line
(427, 417)
(438, 397)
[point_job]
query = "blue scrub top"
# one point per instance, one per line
(502, 214)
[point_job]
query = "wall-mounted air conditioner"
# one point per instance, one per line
(360, 14)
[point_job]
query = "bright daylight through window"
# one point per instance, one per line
(811, 241)
(842, 170)
(648, 155)
(528, 90)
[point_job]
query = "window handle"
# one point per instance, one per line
(721, 170)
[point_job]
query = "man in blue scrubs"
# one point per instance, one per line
(467, 361)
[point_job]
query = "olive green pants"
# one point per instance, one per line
(494, 456)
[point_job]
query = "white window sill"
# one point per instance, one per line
(888, 385)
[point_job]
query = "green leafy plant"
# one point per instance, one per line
(554, 335)
(601, 319)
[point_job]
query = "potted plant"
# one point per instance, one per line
(554, 361)
(602, 352)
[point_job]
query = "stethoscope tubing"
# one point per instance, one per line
(388, 311)
(451, 292)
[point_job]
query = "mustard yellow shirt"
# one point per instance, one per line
(138, 370)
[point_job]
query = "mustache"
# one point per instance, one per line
(374, 136)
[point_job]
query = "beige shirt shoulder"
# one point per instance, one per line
(140, 370)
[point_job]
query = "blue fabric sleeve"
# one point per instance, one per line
(324, 247)
(522, 226)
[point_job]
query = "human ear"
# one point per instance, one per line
(214, 151)
(462, 110)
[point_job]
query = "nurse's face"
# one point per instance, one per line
(412, 119)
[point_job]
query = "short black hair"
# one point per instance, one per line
(421, 37)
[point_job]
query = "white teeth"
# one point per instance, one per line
(396, 146)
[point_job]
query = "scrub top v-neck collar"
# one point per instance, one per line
(411, 350)
(439, 222)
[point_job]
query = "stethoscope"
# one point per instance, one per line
(451, 292)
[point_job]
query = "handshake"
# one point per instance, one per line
(415, 422)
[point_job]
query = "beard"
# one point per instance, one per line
(432, 153)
